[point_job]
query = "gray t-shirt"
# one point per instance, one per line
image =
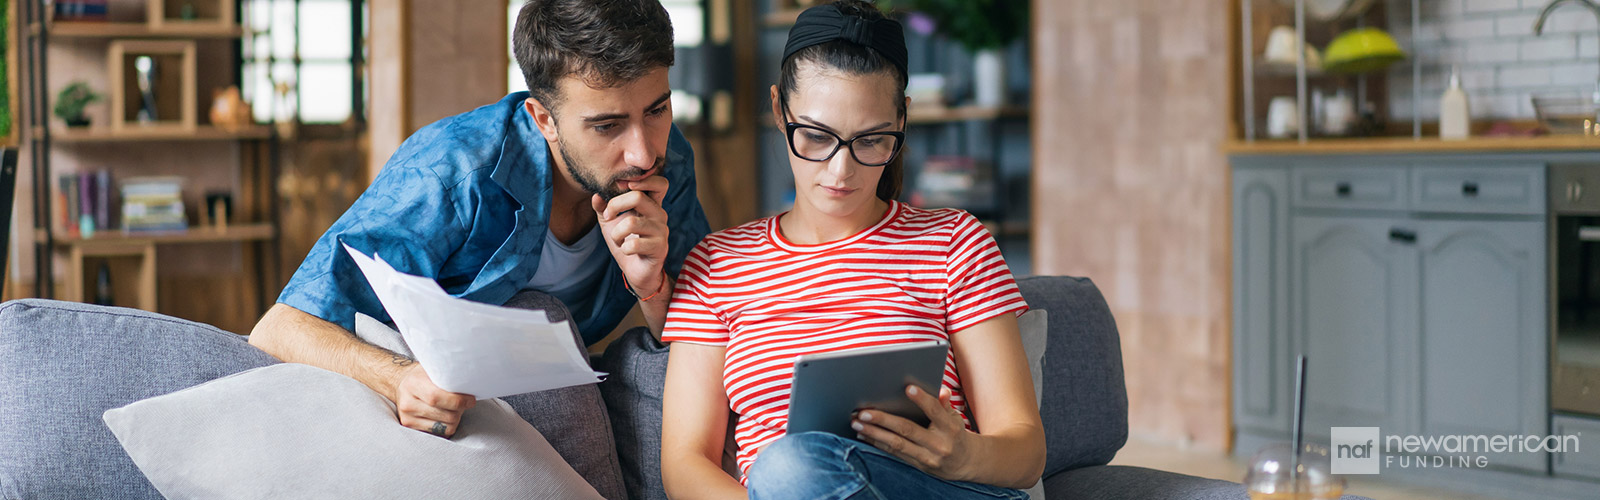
(570, 273)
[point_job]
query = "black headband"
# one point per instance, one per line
(825, 23)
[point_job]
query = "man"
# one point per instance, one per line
(580, 188)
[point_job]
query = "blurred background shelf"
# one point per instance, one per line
(195, 234)
(84, 29)
(202, 133)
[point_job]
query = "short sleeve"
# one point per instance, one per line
(980, 285)
(691, 317)
(406, 217)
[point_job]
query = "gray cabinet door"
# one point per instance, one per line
(1483, 340)
(1261, 376)
(1354, 309)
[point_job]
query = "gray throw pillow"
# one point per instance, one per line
(297, 431)
(1034, 326)
(573, 419)
(63, 364)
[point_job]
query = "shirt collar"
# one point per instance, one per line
(524, 167)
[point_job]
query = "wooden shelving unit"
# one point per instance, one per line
(78, 29)
(931, 115)
(132, 256)
(782, 18)
(203, 133)
(195, 234)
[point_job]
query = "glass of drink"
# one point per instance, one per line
(1274, 475)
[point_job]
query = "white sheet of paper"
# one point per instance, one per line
(473, 348)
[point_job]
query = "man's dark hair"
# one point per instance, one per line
(605, 43)
(852, 59)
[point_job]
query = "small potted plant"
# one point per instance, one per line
(984, 27)
(71, 101)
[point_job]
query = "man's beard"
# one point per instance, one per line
(591, 185)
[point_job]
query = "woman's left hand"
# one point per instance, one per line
(940, 449)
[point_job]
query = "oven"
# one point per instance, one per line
(1575, 288)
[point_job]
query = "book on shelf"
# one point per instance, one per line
(84, 202)
(153, 204)
(81, 10)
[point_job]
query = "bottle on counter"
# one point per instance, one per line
(1454, 115)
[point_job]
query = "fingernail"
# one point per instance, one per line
(912, 390)
(861, 437)
(856, 425)
(866, 417)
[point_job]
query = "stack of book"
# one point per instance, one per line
(153, 204)
(84, 202)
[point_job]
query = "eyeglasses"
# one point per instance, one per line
(872, 149)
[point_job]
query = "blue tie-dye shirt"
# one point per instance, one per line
(466, 201)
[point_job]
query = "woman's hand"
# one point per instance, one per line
(940, 449)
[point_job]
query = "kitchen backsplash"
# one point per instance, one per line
(1502, 62)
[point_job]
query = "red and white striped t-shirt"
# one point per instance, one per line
(917, 275)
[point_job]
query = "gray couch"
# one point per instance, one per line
(63, 364)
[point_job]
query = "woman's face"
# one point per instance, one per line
(848, 106)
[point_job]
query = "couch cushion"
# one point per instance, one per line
(637, 364)
(63, 364)
(297, 431)
(1084, 403)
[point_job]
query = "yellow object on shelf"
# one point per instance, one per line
(1361, 51)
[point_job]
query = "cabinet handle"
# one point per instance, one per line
(1469, 189)
(1577, 192)
(1342, 189)
(1406, 236)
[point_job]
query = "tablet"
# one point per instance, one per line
(829, 387)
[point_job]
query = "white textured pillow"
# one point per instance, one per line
(1034, 326)
(297, 431)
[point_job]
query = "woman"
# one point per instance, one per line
(848, 267)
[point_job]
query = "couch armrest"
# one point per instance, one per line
(1118, 481)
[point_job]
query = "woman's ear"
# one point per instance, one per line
(542, 118)
(777, 113)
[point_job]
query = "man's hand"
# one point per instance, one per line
(425, 407)
(635, 229)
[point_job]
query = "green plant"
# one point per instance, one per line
(72, 99)
(975, 24)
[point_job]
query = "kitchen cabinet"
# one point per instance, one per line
(1354, 307)
(1417, 291)
(1261, 370)
(1482, 340)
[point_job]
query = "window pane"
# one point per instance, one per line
(258, 90)
(514, 81)
(324, 92)
(325, 29)
(281, 31)
(688, 24)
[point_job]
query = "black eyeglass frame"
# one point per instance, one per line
(898, 135)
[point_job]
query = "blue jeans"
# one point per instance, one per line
(819, 465)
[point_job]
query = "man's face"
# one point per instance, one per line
(612, 135)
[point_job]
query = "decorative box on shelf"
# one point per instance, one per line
(152, 85)
(181, 15)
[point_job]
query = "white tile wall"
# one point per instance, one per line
(1502, 62)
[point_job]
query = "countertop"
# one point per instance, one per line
(1410, 145)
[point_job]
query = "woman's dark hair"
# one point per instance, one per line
(606, 43)
(853, 59)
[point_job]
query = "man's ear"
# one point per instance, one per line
(542, 118)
